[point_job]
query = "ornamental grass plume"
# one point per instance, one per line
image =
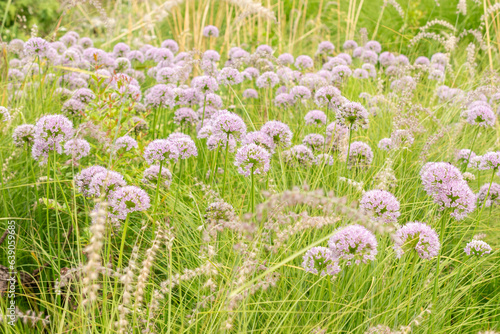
(320, 261)
(419, 237)
(353, 244)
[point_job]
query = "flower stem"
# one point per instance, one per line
(225, 167)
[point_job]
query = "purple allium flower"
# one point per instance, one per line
(250, 73)
(492, 192)
(229, 124)
(263, 48)
(122, 64)
(190, 96)
(369, 57)
(167, 75)
(163, 54)
(279, 132)
(401, 138)
(150, 175)
(417, 236)
(211, 55)
(283, 100)
(346, 57)
(4, 115)
(125, 142)
(210, 31)
(328, 95)
(352, 115)
(358, 52)
(360, 73)
(386, 58)
(218, 140)
(314, 141)
(436, 175)
(285, 59)
(299, 155)
(83, 179)
(303, 62)
(465, 156)
(385, 144)
(360, 154)
(159, 95)
(424, 61)
(320, 260)
(121, 49)
(300, 93)
(335, 133)
(325, 47)
(24, 134)
(229, 76)
(212, 100)
(185, 145)
(50, 132)
(77, 148)
(315, 117)
(36, 46)
(136, 55)
(205, 84)
(324, 159)
(350, 45)
(259, 138)
(381, 205)
(86, 42)
(440, 58)
(373, 46)
(185, 116)
(83, 95)
(341, 72)
(477, 248)
(161, 150)
(126, 200)
(250, 94)
(481, 115)
(105, 183)
(490, 160)
(252, 158)
(171, 45)
(267, 80)
(458, 197)
(354, 244)
(370, 68)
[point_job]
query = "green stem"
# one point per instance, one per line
(157, 188)
(225, 167)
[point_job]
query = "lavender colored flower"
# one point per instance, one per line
(369, 57)
(50, 132)
(335, 133)
(304, 62)
(151, 173)
(360, 154)
(213, 100)
(490, 160)
(167, 75)
(464, 156)
(171, 45)
(285, 59)
(211, 55)
(401, 138)
(36, 46)
(481, 115)
(325, 47)
(126, 200)
(279, 132)
(283, 100)
(24, 134)
(350, 45)
(267, 80)
(105, 184)
(436, 175)
(185, 145)
(215, 141)
(352, 115)
(373, 46)
(259, 138)
(458, 197)
(381, 205)
(4, 115)
(341, 72)
(163, 54)
(477, 248)
(334, 62)
(77, 148)
(360, 73)
(263, 48)
(314, 141)
(73, 107)
(320, 260)
(161, 150)
(299, 155)
(185, 116)
(250, 94)
(370, 69)
(210, 31)
(423, 61)
(385, 144)
(419, 237)
(489, 194)
(159, 95)
(205, 84)
(125, 142)
(252, 159)
(315, 117)
(136, 55)
(250, 73)
(324, 159)
(353, 244)
(300, 93)
(386, 58)
(121, 49)
(229, 124)
(229, 76)
(83, 179)
(328, 95)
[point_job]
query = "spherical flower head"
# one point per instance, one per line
(458, 197)
(83, 95)
(263, 48)
(205, 84)
(105, 183)
(370, 69)
(4, 115)
(465, 156)
(259, 138)
(490, 160)
(316, 118)
(125, 142)
(360, 155)
(436, 175)
(325, 47)
(315, 141)
(229, 76)
(250, 73)
(340, 73)
(369, 57)
(304, 62)
(136, 55)
(352, 115)
(185, 145)
(320, 260)
(215, 141)
(229, 124)
(419, 237)
(300, 93)
(353, 244)
(167, 75)
(285, 59)
(77, 148)
(360, 73)
(252, 159)
(210, 31)
(121, 49)
(381, 205)
(24, 134)
(283, 100)
(401, 138)
(385, 144)
(36, 46)
(350, 45)
(171, 45)
(373, 46)
(481, 115)
(386, 58)
(161, 150)
(279, 132)
(126, 200)
(489, 194)
(477, 248)
(300, 155)
(160, 95)
(150, 176)
(422, 61)
(267, 80)
(53, 130)
(335, 133)
(185, 116)
(250, 94)
(328, 95)
(83, 179)
(163, 55)
(74, 107)
(324, 159)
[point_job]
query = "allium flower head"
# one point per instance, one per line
(125, 142)
(360, 155)
(105, 183)
(436, 175)
(335, 133)
(353, 115)
(401, 138)
(171, 45)
(283, 100)
(185, 145)
(77, 148)
(161, 150)
(325, 47)
(328, 95)
(373, 46)
(299, 155)
(477, 248)
(4, 115)
(259, 138)
(419, 237)
(300, 93)
(350, 45)
(126, 200)
(354, 244)
(324, 159)
(205, 84)
(151, 173)
(279, 132)
(121, 49)
(315, 117)
(267, 80)
(229, 76)
(385, 144)
(73, 107)
(341, 73)
(465, 156)
(381, 205)
(36, 46)
(386, 58)
(210, 31)
(229, 124)
(360, 73)
(84, 95)
(24, 134)
(185, 116)
(314, 141)
(250, 94)
(83, 179)
(458, 197)
(304, 62)
(252, 158)
(490, 160)
(50, 132)
(481, 115)
(320, 260)
(285, 59)
(493, 194)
